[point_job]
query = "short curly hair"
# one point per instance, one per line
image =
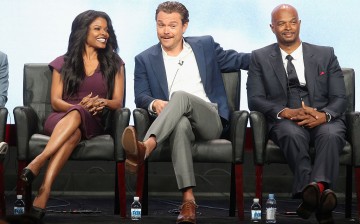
(173, 6)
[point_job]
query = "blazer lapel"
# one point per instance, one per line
(158, 66)
(200, 58)
(278, 66)
(310, 71)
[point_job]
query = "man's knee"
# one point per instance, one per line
(179, 95)
(183, 125)
(332, 136)
(292, 132)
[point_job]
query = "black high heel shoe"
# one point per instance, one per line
(37, 212)
(27, 175)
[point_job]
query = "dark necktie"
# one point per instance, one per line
(291, 72)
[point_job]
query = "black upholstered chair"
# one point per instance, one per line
(3, 118)
(29, 121)
(266, 152)
(227, 150)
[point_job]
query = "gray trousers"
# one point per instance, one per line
(328, 140)
(186, 118)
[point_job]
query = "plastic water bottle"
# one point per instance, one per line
(255, 211)
(19, 205)
(271, 209)
(136, 209)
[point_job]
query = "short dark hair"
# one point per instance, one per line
(173, 6)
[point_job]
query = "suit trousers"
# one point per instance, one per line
(328, 140)
(185, 118)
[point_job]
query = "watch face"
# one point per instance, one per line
(327, 117)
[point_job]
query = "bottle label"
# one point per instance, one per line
(270, 213)
(136, 213)
(19, 210)
(255, 214)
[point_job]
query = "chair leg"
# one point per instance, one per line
(357, 180)
(22, 188)
(232, 205)
(348, 192)
(239, 190)
(258, 187)
(142, 188)
(2, 191)
(120, 190)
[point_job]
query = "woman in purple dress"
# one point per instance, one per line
(88, 78)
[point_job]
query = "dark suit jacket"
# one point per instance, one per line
(150, 76)
(267, 81)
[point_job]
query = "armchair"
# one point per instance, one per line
(266, 152)
(3, 118)
(29, 121)
(227, 150)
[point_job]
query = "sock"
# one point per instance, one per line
(321, 186)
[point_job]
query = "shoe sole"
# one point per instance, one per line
(330, 203)
(129, 143)
(327, 205)
(309, 204)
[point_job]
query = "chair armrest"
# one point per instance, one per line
(353, 130)
(238, 123)
(3, 119)
(121, 118)
(142, 122)
(26, 123)
(259, 136)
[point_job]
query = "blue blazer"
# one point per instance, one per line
(4, 78)
(150, 76)
(267, 81)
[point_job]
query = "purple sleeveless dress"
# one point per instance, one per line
(90, 125)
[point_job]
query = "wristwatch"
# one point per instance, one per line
(328, 117)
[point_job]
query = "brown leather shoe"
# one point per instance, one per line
(187, 213)
(311, 198)
(134, 150)
(328, 203)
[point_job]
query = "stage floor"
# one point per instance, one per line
(99, 209)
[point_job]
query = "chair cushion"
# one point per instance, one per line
(98, 148)
(273, 154)
(213, 151)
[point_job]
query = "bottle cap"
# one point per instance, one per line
(271, 196)
(256, 200)
(136, 198)
(19, 196)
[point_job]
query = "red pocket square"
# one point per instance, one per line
(322, 73)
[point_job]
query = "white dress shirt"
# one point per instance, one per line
(298, 61)
(182, 73)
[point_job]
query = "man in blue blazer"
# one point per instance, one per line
(179, 82)
(300, 89)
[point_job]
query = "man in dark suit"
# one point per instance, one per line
(303, 99)
(179, 82)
